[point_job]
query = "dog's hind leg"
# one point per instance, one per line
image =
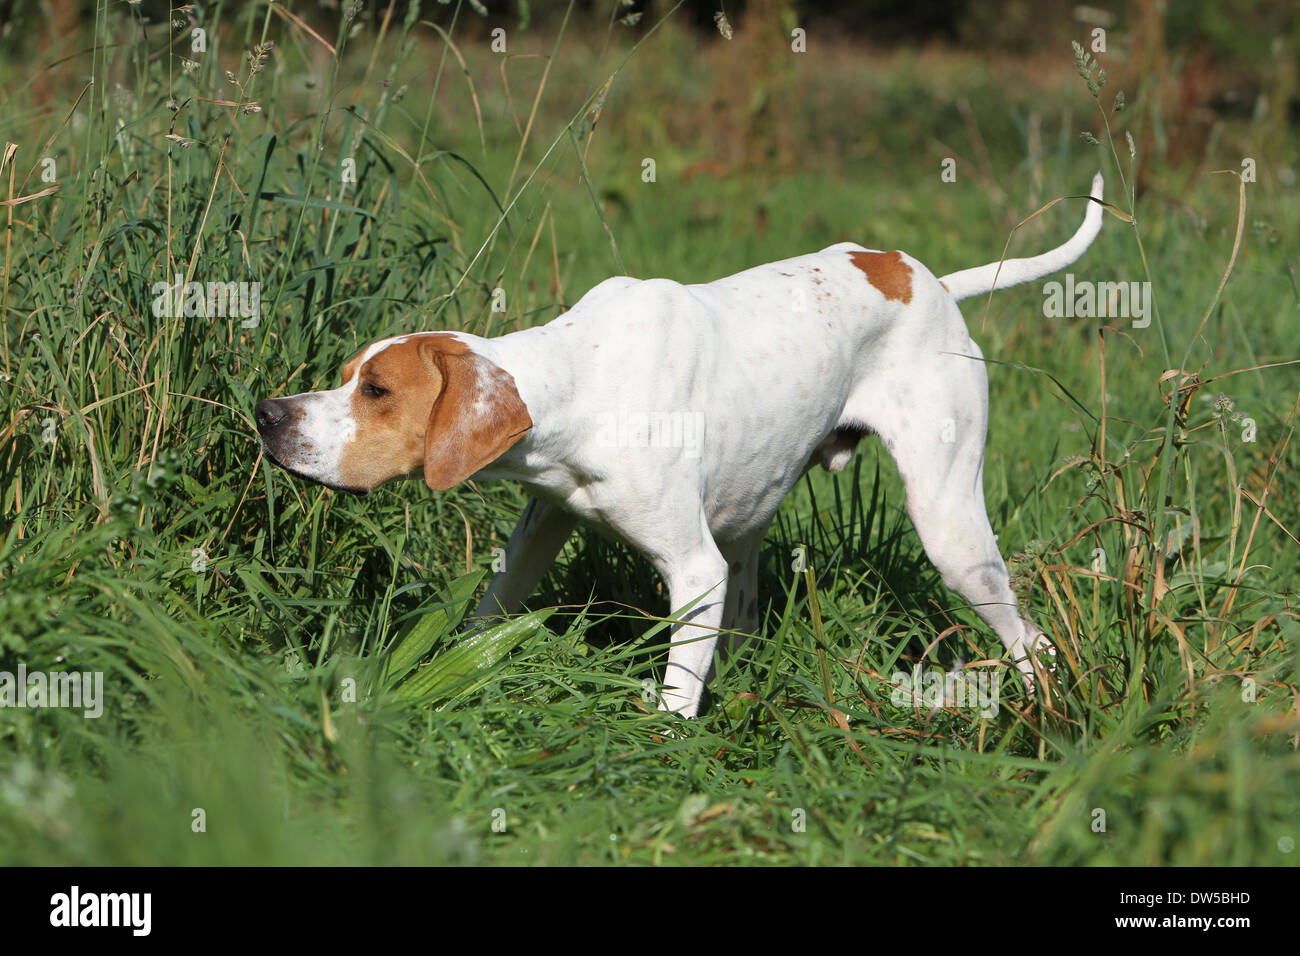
(934, 425)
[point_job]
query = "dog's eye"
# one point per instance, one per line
(370, 390)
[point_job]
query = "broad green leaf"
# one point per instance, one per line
(424, 632)
(466, 667)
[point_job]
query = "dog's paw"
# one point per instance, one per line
(1041, 652)
(1040, 645)
(670, 703)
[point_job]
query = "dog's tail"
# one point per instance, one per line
(983, 279)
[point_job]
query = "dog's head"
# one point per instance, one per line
(424, 401)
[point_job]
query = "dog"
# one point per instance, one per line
(751, 380)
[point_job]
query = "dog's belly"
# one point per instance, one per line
(737, 517)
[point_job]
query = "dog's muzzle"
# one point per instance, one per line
(277, 422)
(276, 419)
(269, 414)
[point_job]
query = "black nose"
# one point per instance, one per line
(269, 413)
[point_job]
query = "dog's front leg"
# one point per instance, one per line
(698, 579)
(741, 617)
(541, 532)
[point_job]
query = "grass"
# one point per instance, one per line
(284, 683)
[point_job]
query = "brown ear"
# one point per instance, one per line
(477, 416)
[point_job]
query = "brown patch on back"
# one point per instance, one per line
(887, 272)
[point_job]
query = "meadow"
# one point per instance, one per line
(282, 677)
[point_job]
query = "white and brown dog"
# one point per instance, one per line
(771, 371)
